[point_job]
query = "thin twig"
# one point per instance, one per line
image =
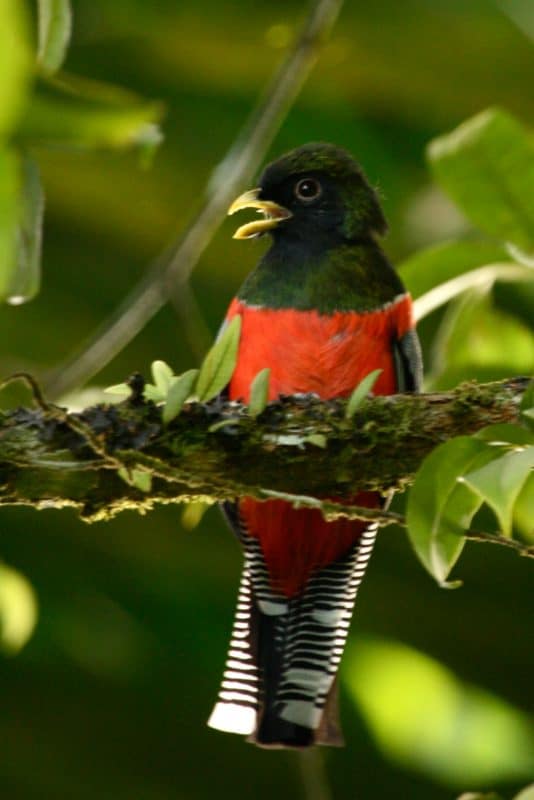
(492, 538)
(32, 385)
(332, 511)
(174, 267)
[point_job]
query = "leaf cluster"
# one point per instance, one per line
(44, 107)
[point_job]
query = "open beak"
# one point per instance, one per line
(273, 214)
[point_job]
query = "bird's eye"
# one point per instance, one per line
(308, 189)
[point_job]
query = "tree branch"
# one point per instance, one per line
(213, 452)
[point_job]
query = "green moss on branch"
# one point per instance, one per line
(216, 451)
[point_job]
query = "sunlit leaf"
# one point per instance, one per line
(439, 508)
(487, 166)
(360, 393)
(499, 483)
(9, 218)
(119, 389)
(162, 375)
(151, 392)
(259, 392)
(423, 717)
(219, 364)
(15, 62)
(18, 609)
(180, 389)
(192, 515)
(26, 278)
(55, 24)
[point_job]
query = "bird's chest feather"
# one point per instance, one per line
(327, 354)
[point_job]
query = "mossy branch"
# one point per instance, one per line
(98, 460)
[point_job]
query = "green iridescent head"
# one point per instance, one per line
(315, 190)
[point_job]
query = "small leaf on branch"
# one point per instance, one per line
(360, 393)
(192, 514)
(219, 364)
(259, 392)
(119, 389)
(162, 375)
(180, 389)
(499, 483)
(138, 478)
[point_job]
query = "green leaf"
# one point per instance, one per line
(479, 341)
(138, 478)
(71, 112)
(487, 166)
(9, 218)
(55, 25)
(180, 389)
(120, 389)
(15, 62)
(317, 439)
(360, 393)
(259, 392)
(18, 609)
(192, 514)
(440, 263)
(440, 508)
(499, 483)
(26, 277)
(219, 364)
(162, 375)
(425, 718)
(151, 392)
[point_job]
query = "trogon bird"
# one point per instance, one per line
(322, 309)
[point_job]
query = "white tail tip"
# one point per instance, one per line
(233, 718)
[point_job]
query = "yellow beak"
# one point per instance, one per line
(273, 213)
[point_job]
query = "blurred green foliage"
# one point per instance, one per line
(109, 697)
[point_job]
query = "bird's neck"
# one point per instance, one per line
(315, 275)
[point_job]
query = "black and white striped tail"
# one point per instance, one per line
(278, 686)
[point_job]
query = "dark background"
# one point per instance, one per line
(110, 696)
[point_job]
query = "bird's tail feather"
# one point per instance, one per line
(279, 683)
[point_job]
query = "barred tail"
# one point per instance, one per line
(279, 683)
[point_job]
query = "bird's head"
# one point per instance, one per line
(316, 190)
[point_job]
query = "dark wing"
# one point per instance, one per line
(408, 362)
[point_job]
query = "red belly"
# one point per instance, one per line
(328, 355)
